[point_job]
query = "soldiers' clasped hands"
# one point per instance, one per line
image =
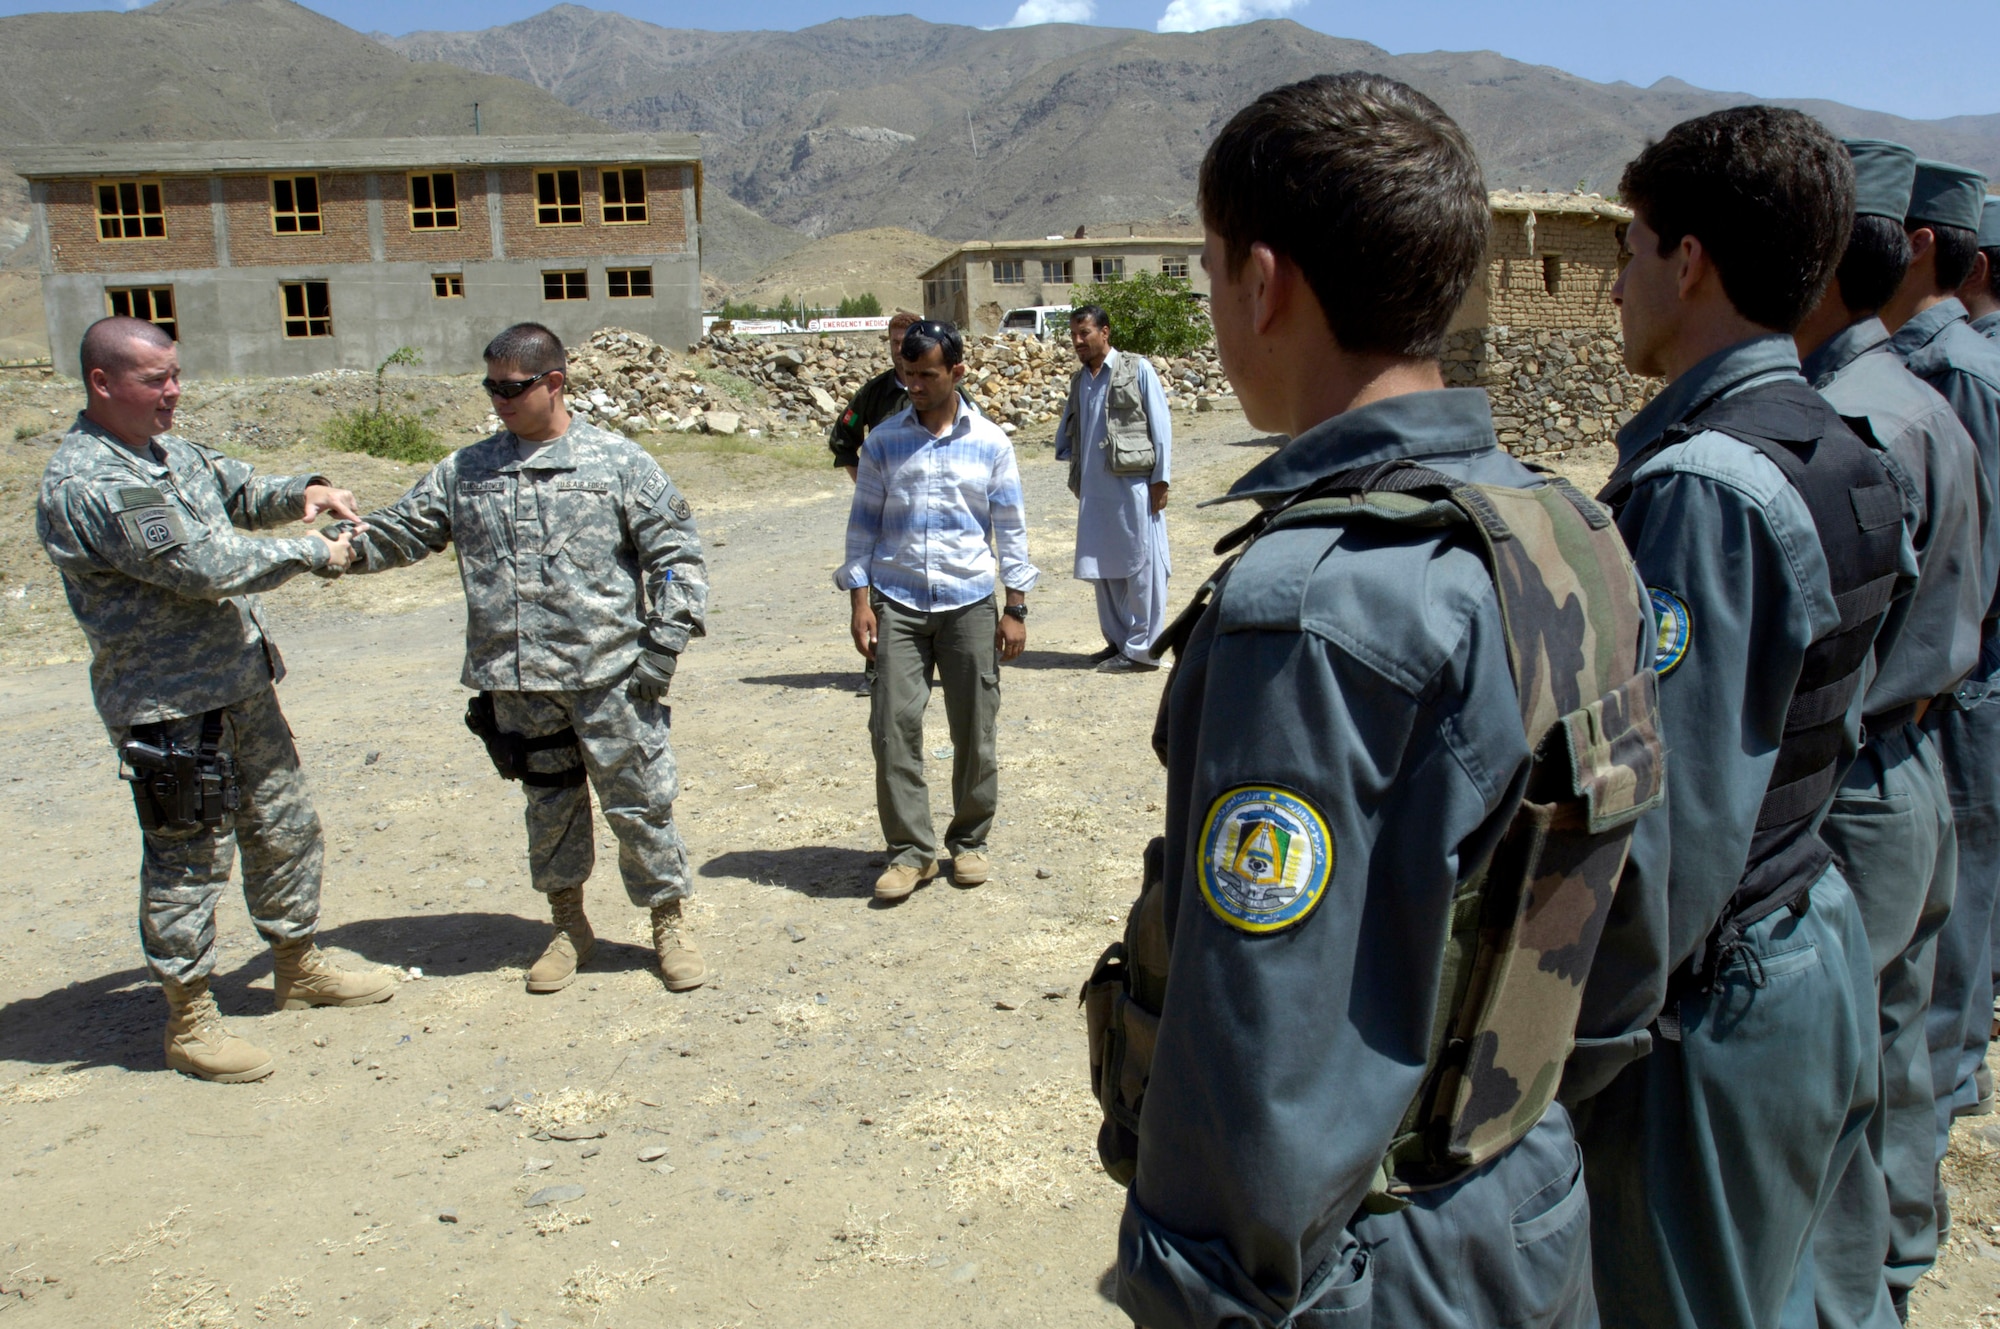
(322, 499)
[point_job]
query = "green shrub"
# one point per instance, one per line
(1151, 314)
(860, 306)
(390, 435)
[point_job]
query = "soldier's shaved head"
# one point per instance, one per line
(108, 344)
(528, 347)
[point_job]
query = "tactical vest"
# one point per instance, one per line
(1525, 924)
(1128, 441)
(1857, 512)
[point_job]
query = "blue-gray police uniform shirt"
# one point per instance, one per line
(1728, 550)
(1988, 325)
(1357, 676)
(162, 585)
(1932, 638)
(1941, 348)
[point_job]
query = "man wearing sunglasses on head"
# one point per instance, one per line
(583, 582)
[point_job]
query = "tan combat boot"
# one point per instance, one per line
(569, 948)
(681, 964)
(198, 1043)
(302, 976)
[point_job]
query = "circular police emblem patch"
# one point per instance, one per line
(1266, 857)
(1676, 628)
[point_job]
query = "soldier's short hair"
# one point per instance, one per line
(107, 344)
(1767, 190)
(1955, 248)
(1878, 254)
(1371, 189)
(528, 347)
(1094, 313)
(928, 332)
(1992, 253)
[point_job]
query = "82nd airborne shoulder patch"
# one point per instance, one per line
(1266, 857)
(1676, 630)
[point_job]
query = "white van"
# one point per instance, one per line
(1038, 321)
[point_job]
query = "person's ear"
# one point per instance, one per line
(1696, 266)
(1922, 241)
(557, 380)
(99, 384)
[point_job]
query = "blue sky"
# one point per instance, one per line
(1929, 60)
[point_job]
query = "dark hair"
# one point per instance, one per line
(107, 343)
(930, 332)
(1371, 189)
(1992, 253)
(1878, 254)
(1768, 192)
(528, 347)
(1095, 313)
(1954, 247)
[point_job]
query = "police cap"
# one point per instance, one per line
(1883, 175)
(1947, 195)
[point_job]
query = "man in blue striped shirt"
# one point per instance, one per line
(937, 491)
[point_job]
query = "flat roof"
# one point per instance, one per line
(972, 249)
(50, 160)
(1557, 204)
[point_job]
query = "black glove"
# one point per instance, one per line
(652, 676)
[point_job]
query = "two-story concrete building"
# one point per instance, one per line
(276, 258)
(979, 282)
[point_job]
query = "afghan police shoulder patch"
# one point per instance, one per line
(1266, 858)
(1676, 630)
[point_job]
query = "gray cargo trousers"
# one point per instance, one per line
(960, 646)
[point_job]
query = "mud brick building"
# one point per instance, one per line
(277, 258)
(978, 283)
(1539, 332)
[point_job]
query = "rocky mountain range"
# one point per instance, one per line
(964, 133)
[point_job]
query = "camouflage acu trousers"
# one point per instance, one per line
(275, 830)
(624, 748)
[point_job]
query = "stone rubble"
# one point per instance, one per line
(798, 384)
(1553, 390)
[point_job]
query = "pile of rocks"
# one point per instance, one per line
(1552, 390)
(629, 382)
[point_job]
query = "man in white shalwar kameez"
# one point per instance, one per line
(1121, 527)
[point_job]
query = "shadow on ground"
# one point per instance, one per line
(821, 870)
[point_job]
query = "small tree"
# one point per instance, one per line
(382, 432)
(1151, 313)
(860, 306)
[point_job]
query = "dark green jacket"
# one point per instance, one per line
(880, 397)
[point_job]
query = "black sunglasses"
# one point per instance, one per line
(513, 388)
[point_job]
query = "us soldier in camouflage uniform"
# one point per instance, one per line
(583, 582)
(138, 522)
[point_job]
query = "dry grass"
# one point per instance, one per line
(189, 1301)
(862, 1241)
(594, 1285)
(570, 1107)
(1033, 1146)
(170, 1232)
(556, 1221)
(282, 1301)
(43, 1087)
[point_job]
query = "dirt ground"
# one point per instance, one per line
(870, 1116)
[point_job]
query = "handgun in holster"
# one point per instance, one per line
(509, 751)
(175, 787)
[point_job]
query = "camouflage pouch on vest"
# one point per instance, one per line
(1525, 926)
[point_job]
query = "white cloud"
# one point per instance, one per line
(1032, 12)
(1199, 15)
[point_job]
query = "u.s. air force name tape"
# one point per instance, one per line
(1266, 857)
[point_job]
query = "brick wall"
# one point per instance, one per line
(663, 232)
(189, 242)
(343, 234)
(1587, 250)
(473, 240)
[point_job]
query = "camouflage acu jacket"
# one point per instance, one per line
(573, 561)
(163, 587)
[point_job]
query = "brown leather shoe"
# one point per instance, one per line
(902, 878)
(569, 948)
(969, 868)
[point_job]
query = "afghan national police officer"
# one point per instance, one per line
(583, 583)
(1891, 821)
(1980, 291)
(140, 524)
(1347, 752)
(1933, 338)
(1771, 539)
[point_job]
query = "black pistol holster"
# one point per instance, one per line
(509, 751)
(176, 788)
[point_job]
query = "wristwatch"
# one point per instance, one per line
(1016, 612)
